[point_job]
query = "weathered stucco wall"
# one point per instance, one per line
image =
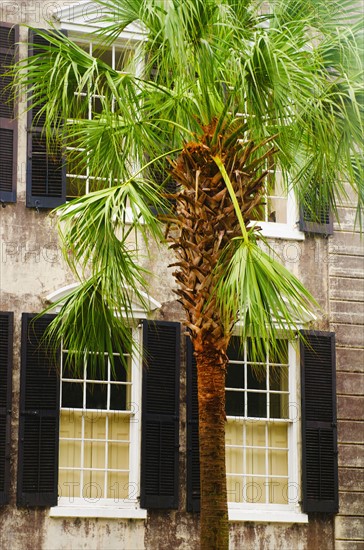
(31, 266)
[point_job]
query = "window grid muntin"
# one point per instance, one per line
(87, 178)
(107, 414)
(268, 422)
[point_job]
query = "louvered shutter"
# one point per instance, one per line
(160, 415)
(39, 416)
(319, 431)
(315, 214)
(161, 178)
(193, 453)
(46, 165)
(6, 353)
(9, 36)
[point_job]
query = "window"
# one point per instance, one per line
(279, 215)
(90, 443)
(258, 429)
(272, 475)
(79, 179)
(99, 435)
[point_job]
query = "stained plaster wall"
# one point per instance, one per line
(31, 266)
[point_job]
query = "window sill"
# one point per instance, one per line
(281, 231)
(267, 516)
(97, 512)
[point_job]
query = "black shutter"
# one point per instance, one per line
(6, 354)
(193, 453)
(46, 165)
(39, 416)
(319, 431)
(160, 415)
(315, 214)
(162, 179)
(9, 36)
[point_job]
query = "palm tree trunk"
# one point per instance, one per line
(211, 369)
(202, 223)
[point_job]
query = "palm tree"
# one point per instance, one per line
(229, 92)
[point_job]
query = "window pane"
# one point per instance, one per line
(234, 455)
(96, 372)
(69, 483)
(96, 396)
(119, 488)
(235, 376)
(104, 54)
(255, 433)
(235, 488)
(76, 163)
(75, 187)
(95, 425)
(119, 455)
(278, 378)
(257, 377)
(254, 490)
(93, 485)
(277, 210)
(72, 395)
(234, 403)
(70, 435)
(257, 404)
(118, 428)
(122, 57)
(279, 354)
(118, 397)
(278, 490)
(119, 373)
(96, 106)
(257, 348)
(68, 368)
(235, 350)
(278, 405)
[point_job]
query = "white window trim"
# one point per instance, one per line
(290, 512)
(85, 16)
(267, 516)
(108, 508)
(289, 230)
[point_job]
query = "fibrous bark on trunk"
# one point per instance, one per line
(202, 224)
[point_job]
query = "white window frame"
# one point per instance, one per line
(109, 508)
(290, 512)
(81, 20)
(117, 507)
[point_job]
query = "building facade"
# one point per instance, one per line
(106, 462)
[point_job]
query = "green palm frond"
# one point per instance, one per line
(290, 72)
(91, 326)
(267, 298)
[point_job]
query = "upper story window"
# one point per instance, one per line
(279, 214)
(80, 180)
